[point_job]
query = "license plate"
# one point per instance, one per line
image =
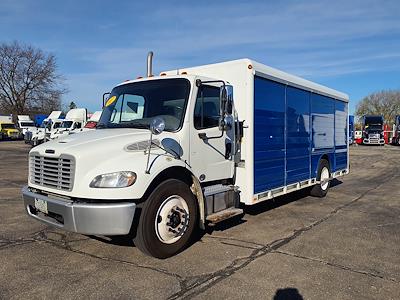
(41, 205)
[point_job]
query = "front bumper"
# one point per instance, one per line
(374, 141)
(85, 218)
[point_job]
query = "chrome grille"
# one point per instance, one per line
(53, 172)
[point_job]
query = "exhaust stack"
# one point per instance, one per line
(150, 64)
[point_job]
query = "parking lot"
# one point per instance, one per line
(344, 246)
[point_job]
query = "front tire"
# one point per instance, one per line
(167, 221)
(321, 189)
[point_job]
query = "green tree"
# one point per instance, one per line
(72, 105)
(386, 103)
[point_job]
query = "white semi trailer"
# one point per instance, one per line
(221, 136)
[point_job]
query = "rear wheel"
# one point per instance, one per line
(168, 220)
(323, 176)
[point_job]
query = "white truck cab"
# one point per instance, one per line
(74, 121)
(42, 134)
(169, 155)
(25, 124)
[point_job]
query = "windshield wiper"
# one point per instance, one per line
(125, 125)
(136, 125)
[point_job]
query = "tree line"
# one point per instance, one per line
(385, 103)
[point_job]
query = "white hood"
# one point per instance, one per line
(105, 151)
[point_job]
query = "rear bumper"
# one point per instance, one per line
(85, 218)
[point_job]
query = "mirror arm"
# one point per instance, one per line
(204, 136)
(148, 153)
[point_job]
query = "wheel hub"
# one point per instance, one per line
(172, 219)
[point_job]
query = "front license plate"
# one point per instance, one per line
(41, 205)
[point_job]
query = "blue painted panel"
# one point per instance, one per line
(315, 158)
(341, 135)
(323, 130)
(323, 122)
(269, 142)
(297, 135)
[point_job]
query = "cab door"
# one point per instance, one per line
(211, 150)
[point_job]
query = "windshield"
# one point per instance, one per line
(27, 124)
(134, 105)
(373, 127)
(46, 124)
(8, 126)
(65, 124)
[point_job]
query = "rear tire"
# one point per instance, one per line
(321, 189)
(167, 221)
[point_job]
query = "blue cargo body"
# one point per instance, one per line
(289, 125)
(294, 129)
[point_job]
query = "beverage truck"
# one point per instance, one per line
(191, 147)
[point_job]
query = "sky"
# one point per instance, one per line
(352, 46)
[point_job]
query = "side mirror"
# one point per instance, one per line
(226, 105)
(157, 125)
(105, 98)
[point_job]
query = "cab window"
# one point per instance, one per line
(206, 111)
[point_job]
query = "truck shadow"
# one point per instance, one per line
(262, 207)
(288, 294)
(124, 240)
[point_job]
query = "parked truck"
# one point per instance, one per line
(93, 120)
(372, 128)
(25, 124)
(351, 130)
(74, 121)
(396, 131)
(8, 130)
(191, 147)
(39, 118)
(42, 134)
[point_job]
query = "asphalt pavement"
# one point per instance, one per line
(344, 246)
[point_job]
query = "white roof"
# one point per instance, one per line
(24, 118)
(267, 72)
(5, 119)
(54, 115)
(95, 117)
(76, 114)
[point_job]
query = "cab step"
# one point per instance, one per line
(224, 215)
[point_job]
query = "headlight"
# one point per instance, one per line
(114, 180)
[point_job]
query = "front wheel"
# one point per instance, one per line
(323, 176)
(168, 220)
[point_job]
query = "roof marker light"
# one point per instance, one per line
(250, 67)
(184, 73)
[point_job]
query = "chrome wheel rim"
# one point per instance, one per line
(324, 178)
(172, 219)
